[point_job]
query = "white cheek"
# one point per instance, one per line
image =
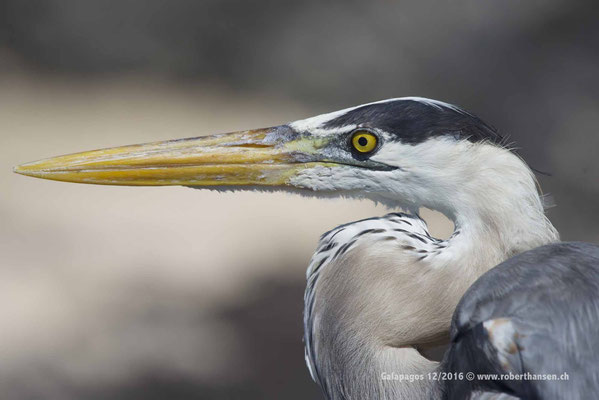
(390, 154)
(434, 154)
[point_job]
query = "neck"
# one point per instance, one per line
(498, 212)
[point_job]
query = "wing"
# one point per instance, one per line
(534, 319)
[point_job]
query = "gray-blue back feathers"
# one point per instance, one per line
(536, 313)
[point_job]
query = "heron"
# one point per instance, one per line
(381, 291)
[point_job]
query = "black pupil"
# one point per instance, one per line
(362, 141)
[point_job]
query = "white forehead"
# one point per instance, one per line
(315, 124)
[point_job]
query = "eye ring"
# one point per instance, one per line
(364, 142)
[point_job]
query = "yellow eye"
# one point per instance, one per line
(364, 141)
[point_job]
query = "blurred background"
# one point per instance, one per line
(154, 293)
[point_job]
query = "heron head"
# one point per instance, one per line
(398, 149)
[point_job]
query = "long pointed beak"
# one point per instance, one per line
(257, 157)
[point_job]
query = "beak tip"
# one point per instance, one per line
(25, 169)
(18, 170)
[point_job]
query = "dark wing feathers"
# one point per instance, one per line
(537, 313)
